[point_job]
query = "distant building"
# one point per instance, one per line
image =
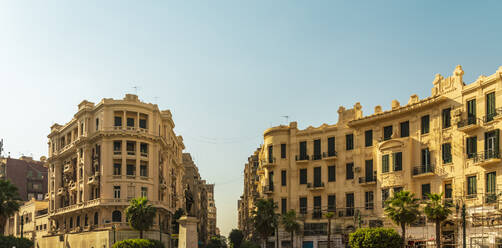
(35, 221)
(28, 175)
(250, 194)
(211, 213)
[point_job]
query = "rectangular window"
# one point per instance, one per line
(317, 207)
(283, 150)
(118, 121)
(472, 186)
(317, 177)
(492, 149)
(142, 123)
(270, 154)
(131, 192)
(284, 207)
(131, 169)
(144, 192)
(446, 153)
(117, 147)
(405, 129)
(130, 122)
(426, 189)
(117, 169)
(331, 203)
(303, 176)
(143, 148)
(397, 158)
(471, 146)
(349, 204)
(490, 106)
(271, 180)
(283, 178)
(131, 147)
(317, 150)
(368, 200)
(387, 133)
(491, 186)
(349, 142)
(303, 150)
(385, 196)
(331, 173)
(143, 170)
(397, 189)
(448, 191)
(446, 114)
(97, 124)
(424, 128)
(385, 163)
(368, 170)
(471, 112)
(368, 138)
(331, 147)
(303, 205)
(426, 157)
(116, 192)
(349, 171)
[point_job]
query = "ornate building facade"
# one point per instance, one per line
(250, 194)
(446, 143)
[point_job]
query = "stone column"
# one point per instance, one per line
(188, 232)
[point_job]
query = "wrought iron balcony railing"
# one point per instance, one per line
(367, 179)
(302, 157)
(422, 169)
(470, 120)
(485, 155)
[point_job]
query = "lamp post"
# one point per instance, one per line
(22, 223)
(114, 236)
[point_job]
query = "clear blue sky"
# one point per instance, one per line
(230, 69)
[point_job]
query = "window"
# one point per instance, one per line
(492, 144)
(130, 122)
(331, 147)
(284, 208)
(471, 146)
(271, 180)
(131, 170)
(331, 203)
(142, 123)
(303, 205)
(349, 204)
(116, 192)
(385, 163)
(116, 216)
(490, 185)
(446, 153)
(397, 161)
(270, 154)
(143, 148)
(283, 178)
(426, 156)
(71, 222)
(385, 196)
(490, 106)
(397, 189)
(96, 218)
(331, 173)
(349, 142)
(446, 116)
(117, 147)
(303, 176)
(131, 147)
(472, 186)
(143, 170)
(317, 177)
(426, 189)
(387, 133)
(471, 112)
(349, 171)
(368, 200)
(144, 192)
(405, 129)
(448, 191)
(118, 121)
(283, 150)
(117, 169)
(317, 149)
(424, 128)
(131, 192)
(97, 125)
(368, 138)
(303, 150)
(317, 208)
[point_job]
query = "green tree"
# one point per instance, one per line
(288, 221)
(375, 238)
(140, 215)
(236, 238)
(402, 209)
(329, 216)
(9, 202)
(217, 242)
(264, 218)
(438, 212)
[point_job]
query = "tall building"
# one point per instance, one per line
(107, 154)
(211, 212)
(249, 195)
(445, 143)
(28, 175)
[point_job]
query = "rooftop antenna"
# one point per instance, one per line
(286, 117)
(135, 89)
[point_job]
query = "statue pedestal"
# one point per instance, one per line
(188, 237)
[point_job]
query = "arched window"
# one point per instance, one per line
(96, 218)
(116, 216)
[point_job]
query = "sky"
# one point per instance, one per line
(228, 70)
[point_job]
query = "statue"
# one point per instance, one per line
(188, 200)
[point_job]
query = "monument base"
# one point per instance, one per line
(188, 237)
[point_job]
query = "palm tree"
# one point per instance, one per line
(9, 202)
(264, 218)
(140, 215)
(402, 209)
(438, 212)
(329, 216)
(288, 220)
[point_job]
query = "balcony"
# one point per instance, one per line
(61, 191)
(486, 158)
(73, 186)
(67, 169)
(490, 198)
(302, 158)
(268, 189)
(316, 156)
(144, 154)
(131, 153)
(329, 155)
(268, 163)
(93, 180)
(493, 116)
(469, 124)
(367, 180)
(317, 213)
(315, 186)
(117, 152)
(423, 170)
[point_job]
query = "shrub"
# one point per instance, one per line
(138, 243)
(10, 241)
(249, 244)
(375, 238)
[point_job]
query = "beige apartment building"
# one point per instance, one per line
(211, 212)
(31, 220)
(445, 143)
(107, 154)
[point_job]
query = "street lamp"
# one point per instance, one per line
(114, 236)
(22, 223)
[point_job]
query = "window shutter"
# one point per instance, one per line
(497, 137)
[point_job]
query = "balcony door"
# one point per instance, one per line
(492, 144)
(369, 170)
(317, 176)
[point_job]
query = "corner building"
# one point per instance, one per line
(446, 143)
(106, 155)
